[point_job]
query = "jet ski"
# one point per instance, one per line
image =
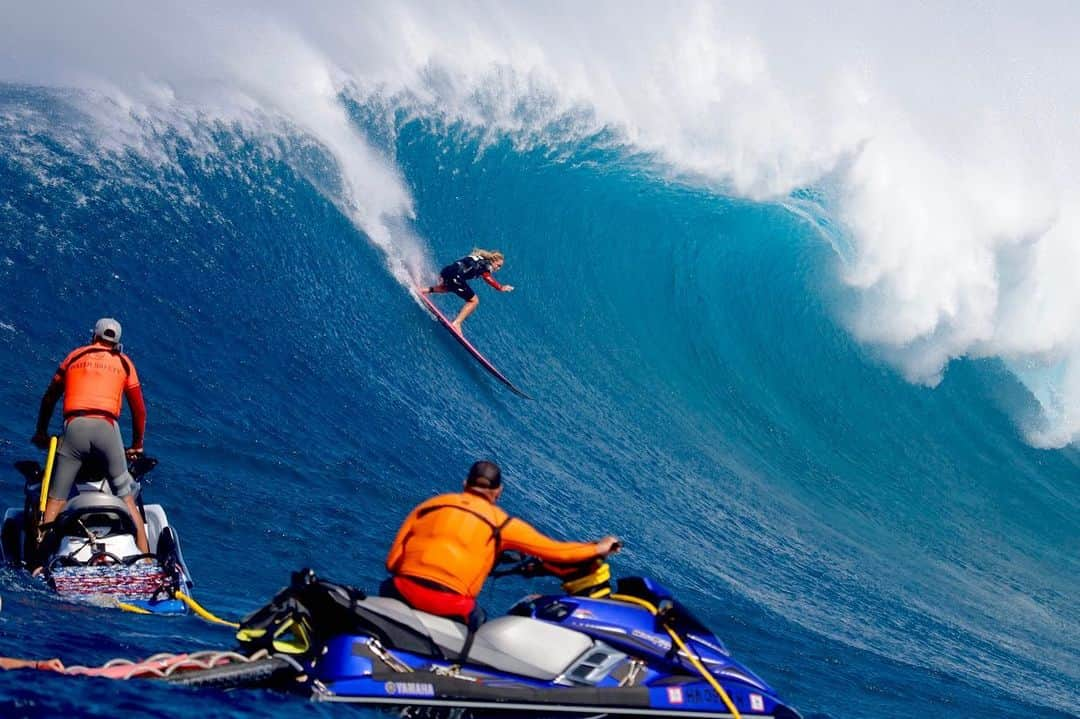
(635, 651)
(90, 550)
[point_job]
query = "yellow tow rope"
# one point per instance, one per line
(705, 673)
(132, 608)
(199, 610)
(50, 457)
(191, 603)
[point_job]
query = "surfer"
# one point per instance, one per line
(455, 277)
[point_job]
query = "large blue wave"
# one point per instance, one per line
(871, 547)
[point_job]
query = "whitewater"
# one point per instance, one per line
(795, 294)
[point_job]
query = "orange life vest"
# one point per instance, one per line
(95, 378)
(454, 539)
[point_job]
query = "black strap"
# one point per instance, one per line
(472, 623)
(496, 529)
(89, 350)
(497, 533)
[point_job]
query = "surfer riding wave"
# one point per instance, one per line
(455, 277)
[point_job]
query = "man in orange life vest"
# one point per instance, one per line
(92, 379)
(447, 546)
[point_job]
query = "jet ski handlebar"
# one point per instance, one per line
(530, 567)
(91, 472)
(141, 465)
(516, 563)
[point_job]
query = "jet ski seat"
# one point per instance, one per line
(445, 633)
(528, 647)
(105, 514)
(519, 645)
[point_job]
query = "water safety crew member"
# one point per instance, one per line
(447, 546)
(455, 277)
(92, 379)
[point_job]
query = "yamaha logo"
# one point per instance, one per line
(414, 689)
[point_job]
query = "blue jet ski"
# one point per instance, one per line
(594, 652)
(90, 551)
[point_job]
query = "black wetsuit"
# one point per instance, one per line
(455, 277)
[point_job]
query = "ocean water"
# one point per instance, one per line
(816, 375)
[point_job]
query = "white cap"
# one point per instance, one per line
(107, 329)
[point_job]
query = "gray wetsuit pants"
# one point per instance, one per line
(85, 437)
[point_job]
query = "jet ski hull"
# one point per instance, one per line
(345, 675)
(536, 660)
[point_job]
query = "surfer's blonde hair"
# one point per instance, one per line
(493, 255)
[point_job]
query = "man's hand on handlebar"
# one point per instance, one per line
(608, 545)
(133, 453)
